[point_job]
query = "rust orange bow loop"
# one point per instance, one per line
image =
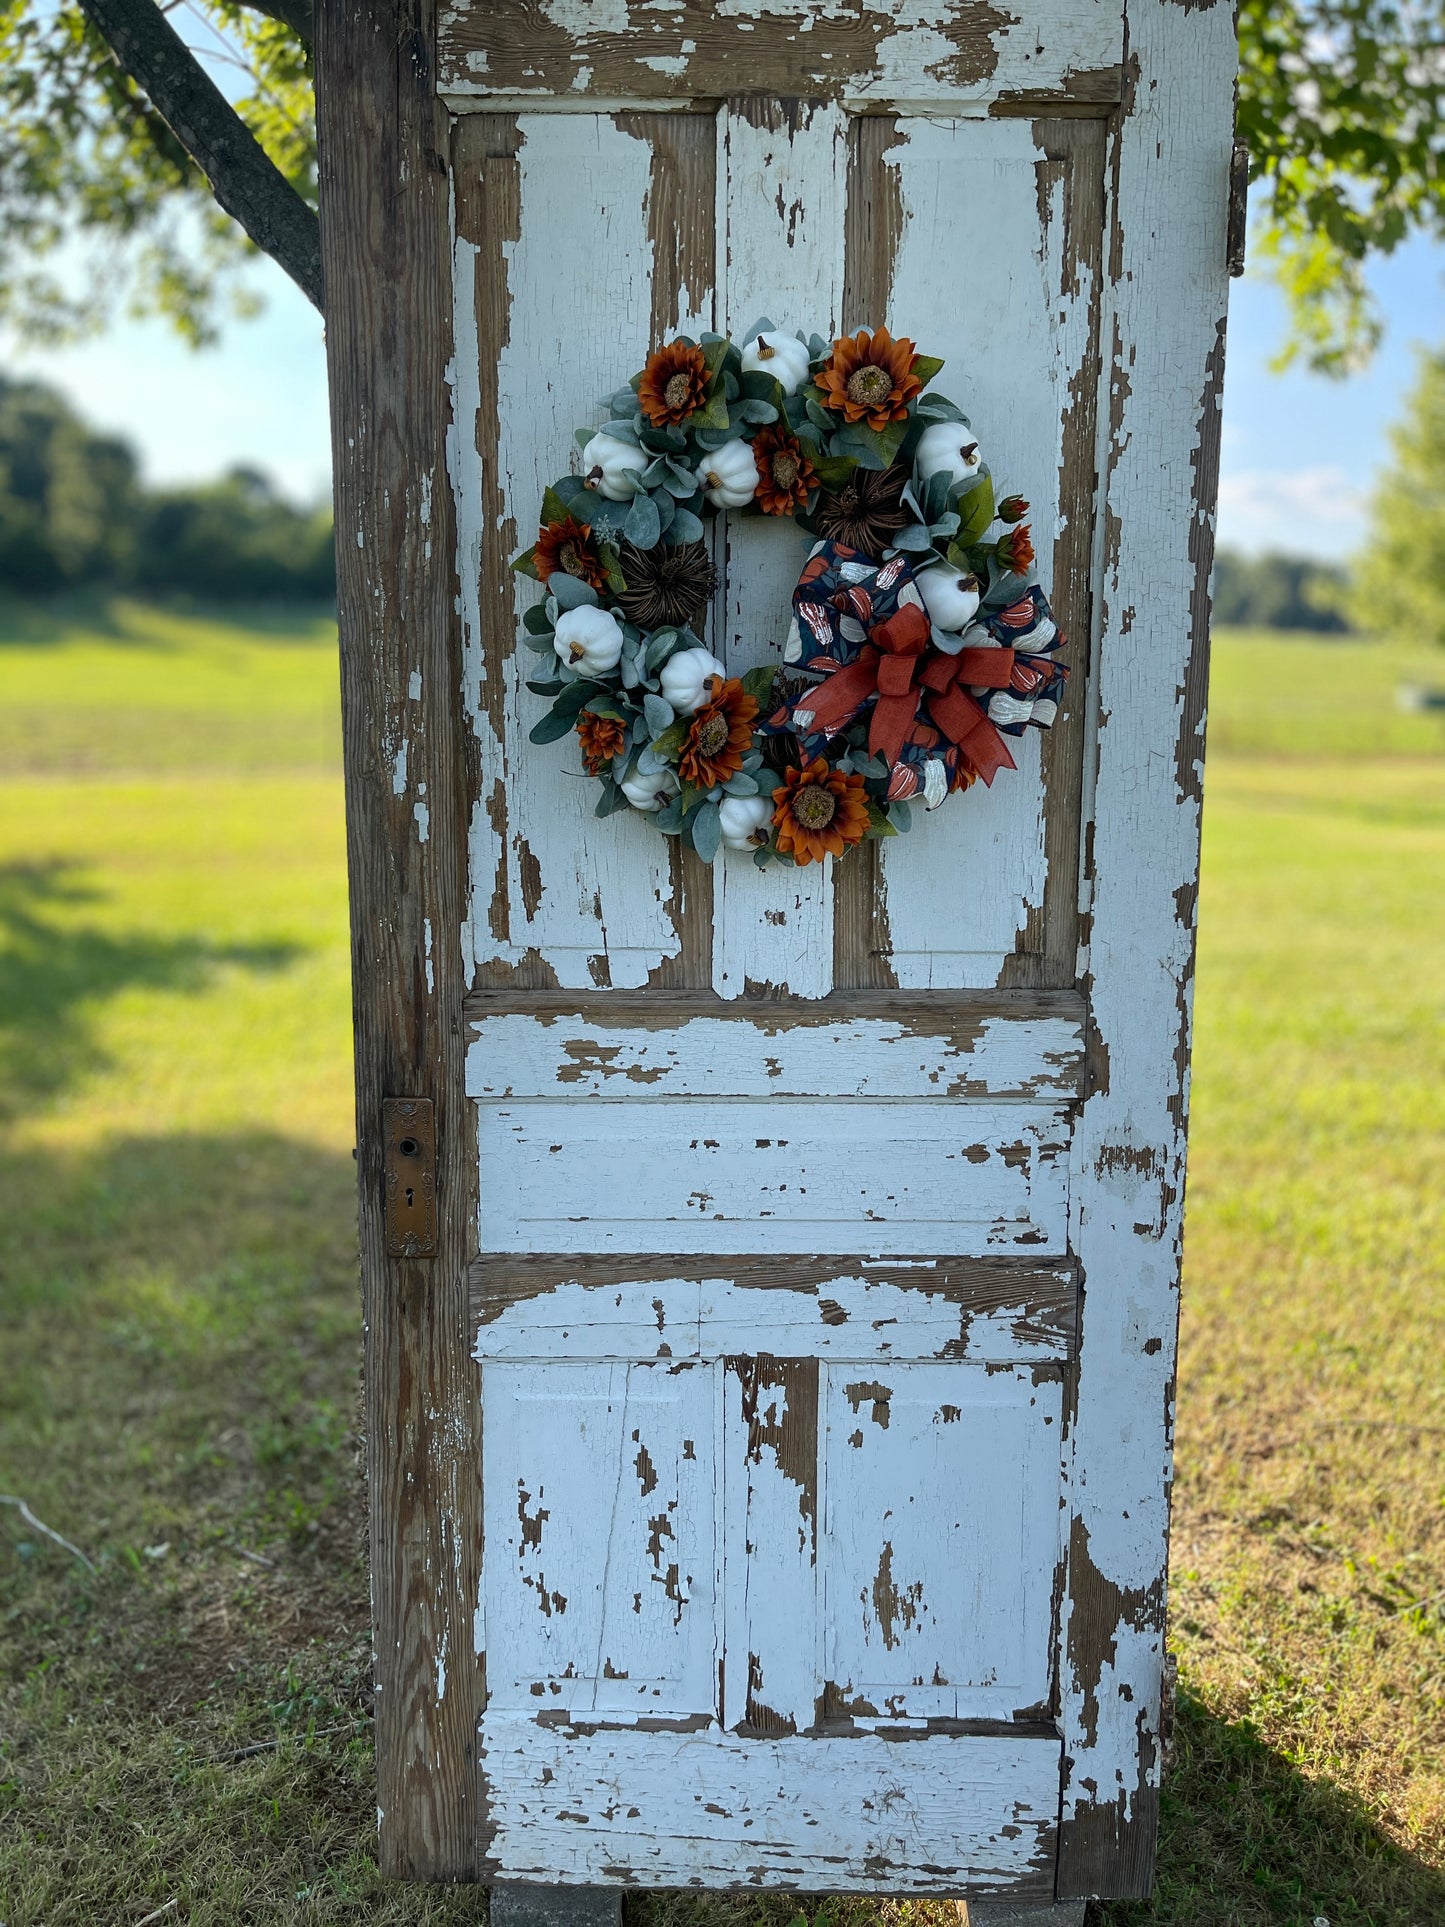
(966, 723)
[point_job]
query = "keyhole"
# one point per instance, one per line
(408, 1147)
(410, 1194)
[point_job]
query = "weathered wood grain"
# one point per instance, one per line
(516, 1056)
(882, 52)
(1002, 1311)
(857, 1814)
(385, 238)
(1164, 307)
(684, 1176)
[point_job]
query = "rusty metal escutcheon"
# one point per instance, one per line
(409, 1165)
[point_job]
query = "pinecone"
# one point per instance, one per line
(866, 512)
(667, 588)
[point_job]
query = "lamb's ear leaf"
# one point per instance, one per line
(938, 408)
(571, 592)
(926, 367)
(611, 799)
(643, 527)
(659, 713)
(707, 832)
(762, 326)
(685, 527)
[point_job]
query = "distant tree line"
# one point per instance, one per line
(1279, 592)
(74, 513)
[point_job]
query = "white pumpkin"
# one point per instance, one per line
(947, 448)
(685, 678)
(747, 821)
(605, 461)
(650, 793)
(729, 475)
(782, 356)
(588, 640)
(950, 597)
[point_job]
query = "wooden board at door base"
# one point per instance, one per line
(770, 1466)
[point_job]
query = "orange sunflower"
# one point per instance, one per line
(1015, 550)
(720, 735)
(870, 378)
(674, 384)
(820, 812)
(568, 546)
(785, 475)
(602, 738)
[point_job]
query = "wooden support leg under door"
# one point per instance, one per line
(1020, 1913)
(515, 1905)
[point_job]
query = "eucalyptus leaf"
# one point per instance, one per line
(938, 408)
(754, 411)
(684, 527)
(913, 538)
(629, 672)
(666, 507)
(535, 620)
(660, 646)
(541, 642)
(900, 817)
(611, 799)
(571, 592)
(623, 401)
(622, 430)
(762, 326)
(741, 784)
(669, 818)
(552, 727)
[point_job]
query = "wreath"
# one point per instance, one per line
(920, 640)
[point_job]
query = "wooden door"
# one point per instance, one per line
(812, 1234)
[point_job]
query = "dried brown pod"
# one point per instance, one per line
(866, 512)
(666, 587)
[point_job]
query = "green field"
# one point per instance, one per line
(178, 1324)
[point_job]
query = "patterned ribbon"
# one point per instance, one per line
(894, 664)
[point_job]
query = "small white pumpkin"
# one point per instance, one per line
(650, 793)
(729, 475)
(747, 821)
(947, 448)
(782, 356)
(685, 678)
(588, 640)
(950, 597)
(605, 460)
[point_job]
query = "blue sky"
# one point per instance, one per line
(1298, 450)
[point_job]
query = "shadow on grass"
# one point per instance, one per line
(52, 970)
(1248, 1840)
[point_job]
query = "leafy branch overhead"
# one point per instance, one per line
(1341, 103)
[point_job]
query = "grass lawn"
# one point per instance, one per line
(188, 1721)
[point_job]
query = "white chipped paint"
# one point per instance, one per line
(398, 770)
(839, 1815)
(1010, 350)
(1165, 310)
(601, 913)
(784, 194)
(692, 1176)
(862, 1312)
(430, 969)
(413, 686)
(422, 816)
(602, 1572)
(864, 1057)
(939, 1567)
(912, 60)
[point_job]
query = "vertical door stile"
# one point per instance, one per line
(784, 164)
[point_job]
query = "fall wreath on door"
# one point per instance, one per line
(920, 641)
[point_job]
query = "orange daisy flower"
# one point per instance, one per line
(785, 475)
(820, 812)
(674, 384)
(568, 546)
(1015, 550)
(602, 738)
(870, 378)
(719, 737)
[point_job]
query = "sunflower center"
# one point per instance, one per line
(712, 735)
(815, 807)
(571, 560)
(785, 468)
(677, 391)
(870, 384)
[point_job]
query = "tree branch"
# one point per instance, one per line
(298, 15)
(243, 178)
